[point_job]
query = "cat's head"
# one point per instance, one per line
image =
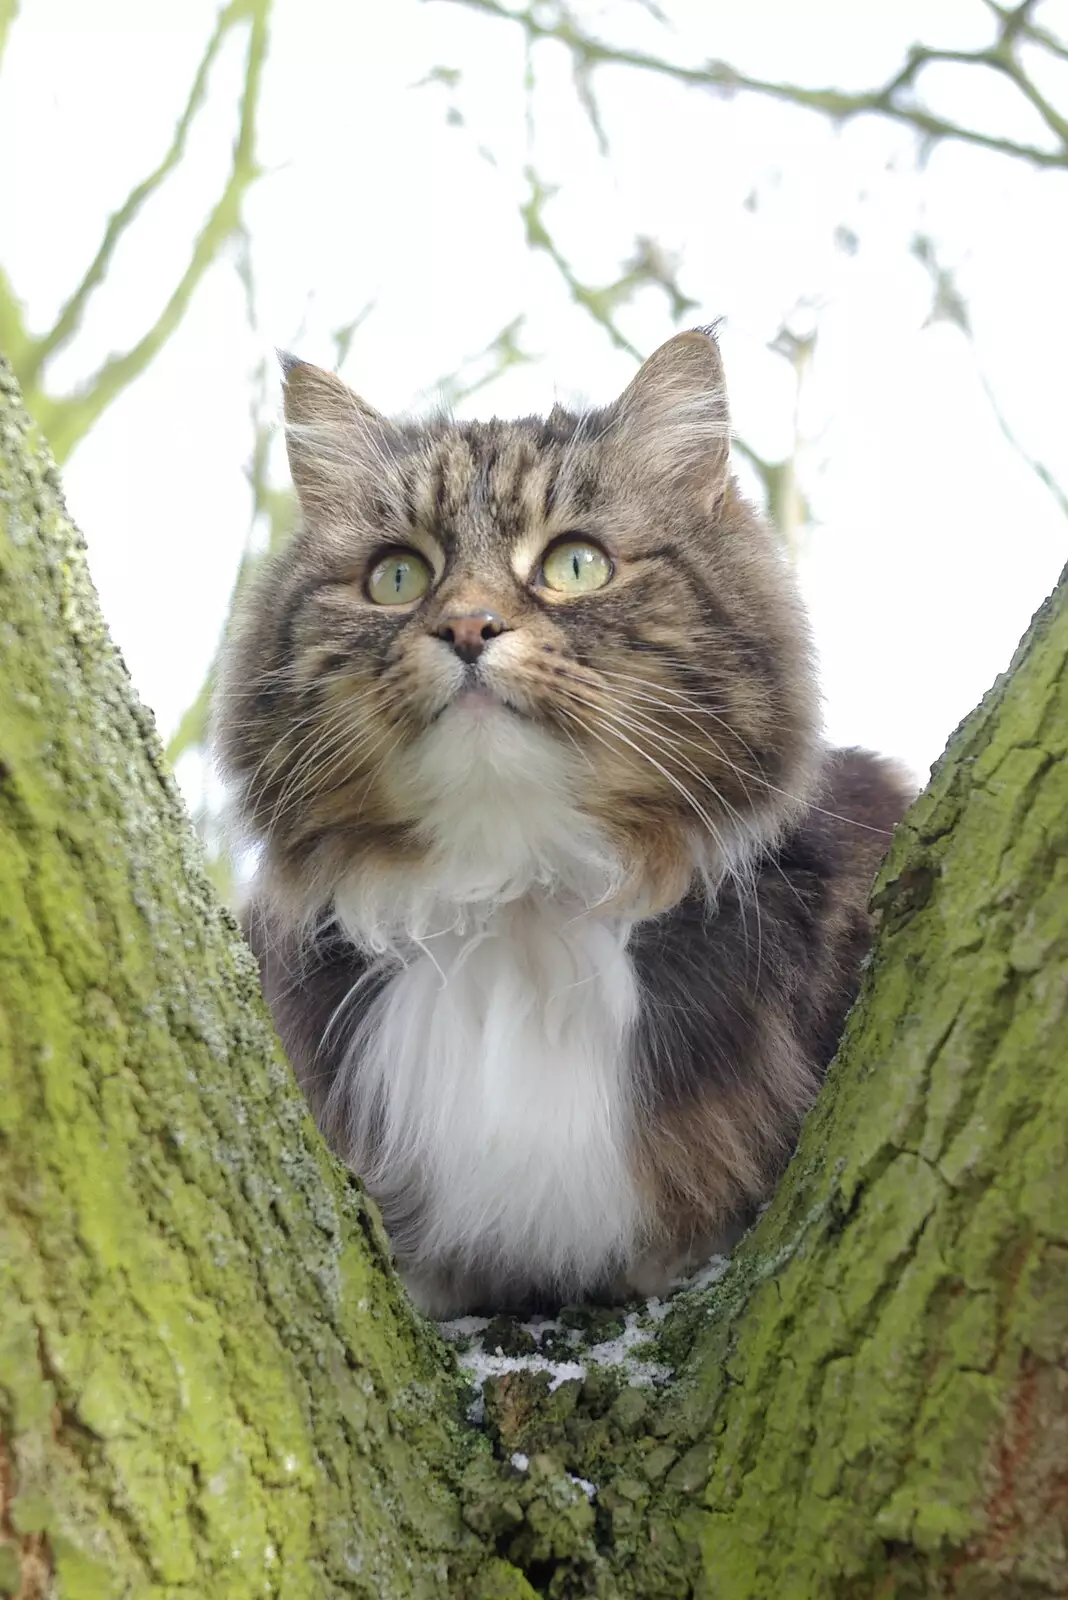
(555, 652)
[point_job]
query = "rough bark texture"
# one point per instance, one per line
(889, 1413)
(873, 1401)
(210, 1384)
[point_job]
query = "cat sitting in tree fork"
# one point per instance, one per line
(561, 897)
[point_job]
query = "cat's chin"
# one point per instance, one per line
(477, 706)
(477, 698)
(494, 799)
(498, 809)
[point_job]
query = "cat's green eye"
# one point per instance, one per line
(398, 579)
(575, 567)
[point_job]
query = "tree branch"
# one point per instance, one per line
(841, 107)
(8, 13)
(70, 318)
(67, 419)
(948, 305)
(649, 266)
(589, 53)
(272, 507)
(600, 303)
(13, 335)
(1042, 472)
(504, 351)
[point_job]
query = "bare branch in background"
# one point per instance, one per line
(272, 519)
(70, 318)
(650, 266)
(13, 335)
(344, 336)
(654, 10)
(556, 21)
(65, 419)
(503, 352)
(1041, 471)
(784, 499)
(273, 511)
(894, 99)
(8, 12)
(948, 305)
(449, 76)
(947, 302)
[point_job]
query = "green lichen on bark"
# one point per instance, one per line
(210, 1382)
(891, 1413)
(873, 1400)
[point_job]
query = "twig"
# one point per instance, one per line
(8, 13)
(948, 305)
(890, 100)
(1043, 473)
(503, 352)
(67, 419)
(70, 317)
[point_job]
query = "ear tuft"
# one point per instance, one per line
(675, 409)
(685, 369)
(334, 439)
(315, 398)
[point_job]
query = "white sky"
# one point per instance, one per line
(934, 543)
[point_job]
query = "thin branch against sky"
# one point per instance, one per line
(66, 418)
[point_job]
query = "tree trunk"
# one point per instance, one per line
(211, 1384)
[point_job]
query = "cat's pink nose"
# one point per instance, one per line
(470, 633)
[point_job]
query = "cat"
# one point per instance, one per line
(561, 898)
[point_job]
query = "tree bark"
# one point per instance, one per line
(211, 1384)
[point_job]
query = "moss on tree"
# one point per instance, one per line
(210, 1382)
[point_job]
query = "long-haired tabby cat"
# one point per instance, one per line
(561, 900)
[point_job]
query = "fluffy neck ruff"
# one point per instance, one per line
(495, 801)
(486, 1097)
(488, 1094)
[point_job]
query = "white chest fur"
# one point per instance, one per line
(486, 1098)
(489, 1101)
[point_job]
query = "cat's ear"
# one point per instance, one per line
(674, 413)
(333, 438)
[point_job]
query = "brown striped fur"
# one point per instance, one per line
(685, 686)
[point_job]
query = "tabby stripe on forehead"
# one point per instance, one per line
(533, 492)
(518, 502)
(486, 471)
(505, 475)
(457, 467)
(440, 487)
(582, 490)
(505, 501)
(411, 505)
(552, 480)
